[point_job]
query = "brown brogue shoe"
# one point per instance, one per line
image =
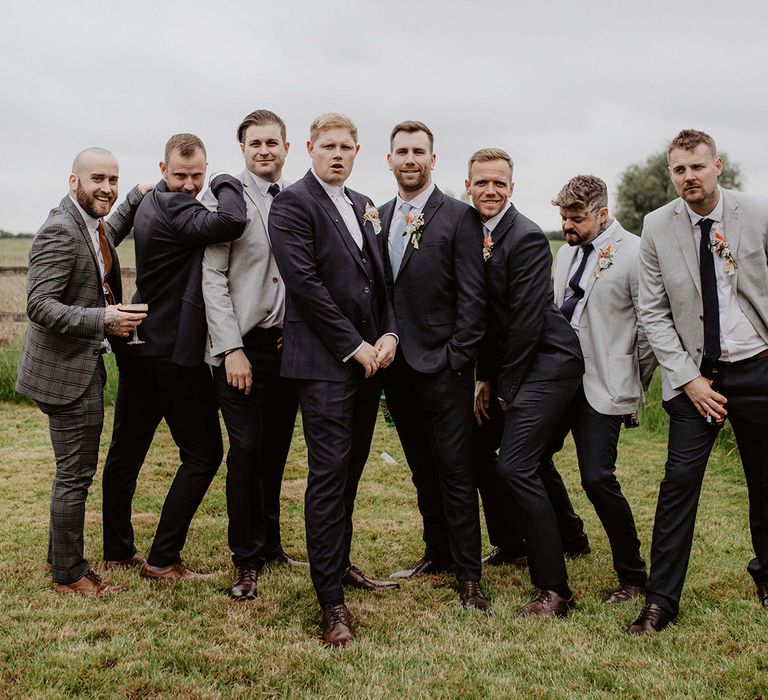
(354, 578)
(174, 572)
(88, 585)
(624, 593)
(651, 620)
(135, 560)
(545, 603)
(472, 597)
(337, 627)
(244, 587)
(423, 566)
(499, 556)
(762, 595)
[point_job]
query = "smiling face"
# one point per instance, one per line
(94, 184)
(694, 174)
(264, 150)
(185, 173)
(490, 186)
(411, 161)
(333, 153)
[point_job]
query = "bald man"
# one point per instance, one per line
(73, 305)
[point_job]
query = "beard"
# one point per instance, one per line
(92, 206)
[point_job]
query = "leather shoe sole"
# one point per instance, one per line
(423, 566)
(171, 574)
(135, 560)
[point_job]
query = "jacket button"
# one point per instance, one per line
(275, 280)
(698, 349)
(701, 317)
(366, 290)
(97, 351)
(364, 261)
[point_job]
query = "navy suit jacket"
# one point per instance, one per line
(528, 337)
(171, 230)
(439, 293)
(336, 296)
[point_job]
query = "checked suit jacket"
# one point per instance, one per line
(65, 303)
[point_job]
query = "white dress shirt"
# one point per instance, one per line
(344, 206)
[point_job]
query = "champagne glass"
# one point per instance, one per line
(135, 308)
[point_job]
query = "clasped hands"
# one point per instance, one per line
(378, 356)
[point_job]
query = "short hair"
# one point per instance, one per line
(582, 192)
(487, 154)
(331, 120)
(411, 126)
(185, 144)
(86, 153)
(689, 139)
(260, 117)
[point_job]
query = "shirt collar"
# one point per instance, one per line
(90, 222)
(333, 191)
(419, 200)
(264, 185)
(493, 222)
(716, 214)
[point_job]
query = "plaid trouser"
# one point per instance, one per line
(75, 431)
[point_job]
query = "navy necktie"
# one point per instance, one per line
(709, 293)
(273, 189)
(569, 305)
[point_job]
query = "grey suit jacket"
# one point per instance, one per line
(65, 303)
(239, 279)
(618, 360)
(670, 284)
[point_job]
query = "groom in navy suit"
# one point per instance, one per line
(339, 331)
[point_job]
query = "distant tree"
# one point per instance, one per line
(646, 186)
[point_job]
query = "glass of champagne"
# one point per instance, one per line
(135, 308)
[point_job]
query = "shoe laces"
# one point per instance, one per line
(246, 574)
(472, 589)
(91, 574)
(542, 595)
(338, 614)
(648, 614)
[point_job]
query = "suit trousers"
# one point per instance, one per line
(338, 420)
(433, 417)
(75, 429)
(150, 389)
(260, 429)
(596, 436)
(529, 424)
(745, 385)
(502, 520)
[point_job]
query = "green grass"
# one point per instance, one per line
(192, 641)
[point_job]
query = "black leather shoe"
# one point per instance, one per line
(283, 559)
(547, 603)
(652, 619)
(423, 566)
(244, 587)
(762, 594)
(472, 597)
(578, 552)
(624, 593)
(499, 556)
(354, 578)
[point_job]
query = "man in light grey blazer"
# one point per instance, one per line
(703, 303)
(245, 303)
(73, 304)
(595, 285)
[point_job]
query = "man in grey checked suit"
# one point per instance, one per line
(245, 305)
(703, 303)
(73, 295)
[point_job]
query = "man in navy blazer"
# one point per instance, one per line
(433, 253)
(339, 331)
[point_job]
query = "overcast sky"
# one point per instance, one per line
(564, 87)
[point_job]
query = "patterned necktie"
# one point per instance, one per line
(397, 241)
(273, 189)
(709, 293)
(106, 258)
(569, 305)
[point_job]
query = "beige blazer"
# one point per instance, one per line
(239, 278)
(670, 284)
(618, 360)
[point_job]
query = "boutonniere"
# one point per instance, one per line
(721, 248)
(371, 216)
(413, 225)
(487, 247)
(604, 259)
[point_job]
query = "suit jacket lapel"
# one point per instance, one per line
(75, 214)
(434, 202)
(732, 223)
(504, 226)
(683, 235)
(615, 243)
(249, 189)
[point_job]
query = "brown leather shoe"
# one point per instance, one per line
(762, 594)
(88, 585)
(423, 566)
(354, 578)
(337, 627)
(624, 593)
(283, 559)
(174, 572)
(547, 604)
(135, 560)
(652, 619)
(244, 587)
(499, 556)
(472, 597)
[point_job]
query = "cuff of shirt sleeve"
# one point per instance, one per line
(352, 354)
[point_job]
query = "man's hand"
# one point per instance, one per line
(482, 401)
(146, 189)
(706, 400)
(367, 357)
(121, 323)
(239, 374)
(385, 348)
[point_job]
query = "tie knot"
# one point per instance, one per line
(273, 189)
(405, 207)
(706, 226)
(486, 231)
(587, 248)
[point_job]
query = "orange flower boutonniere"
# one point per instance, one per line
(604, 259)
